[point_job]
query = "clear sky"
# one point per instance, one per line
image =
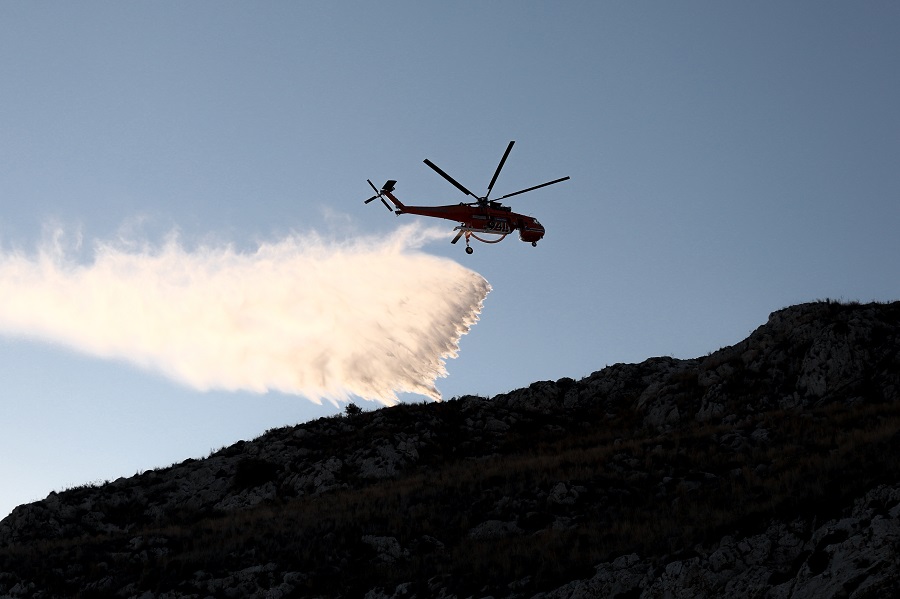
(726, 160)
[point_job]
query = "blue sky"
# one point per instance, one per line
(726, 160)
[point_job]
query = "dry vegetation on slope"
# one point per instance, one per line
(645, 466)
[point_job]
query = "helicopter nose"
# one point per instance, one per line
(532, 234)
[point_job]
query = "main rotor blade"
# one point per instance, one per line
(449, 178)
(499, 166)
(515, 193)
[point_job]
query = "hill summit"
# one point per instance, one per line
(766, 469)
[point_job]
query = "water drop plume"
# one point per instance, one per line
(303, 315)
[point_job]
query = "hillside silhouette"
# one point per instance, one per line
(765, 469)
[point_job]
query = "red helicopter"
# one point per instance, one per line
(481, 216)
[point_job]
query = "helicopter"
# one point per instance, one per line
(483, 216)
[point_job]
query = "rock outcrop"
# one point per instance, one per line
(765, 469)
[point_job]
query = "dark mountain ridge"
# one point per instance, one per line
(765, 469)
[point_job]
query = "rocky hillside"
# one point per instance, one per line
(767, 469)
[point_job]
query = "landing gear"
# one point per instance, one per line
(534, 244)
(468, 234)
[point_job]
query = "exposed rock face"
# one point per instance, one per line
(853, 556)
(765, 469)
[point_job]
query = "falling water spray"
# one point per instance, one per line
(302, 315)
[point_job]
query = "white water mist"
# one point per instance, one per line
(302, 315)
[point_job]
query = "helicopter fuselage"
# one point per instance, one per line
(491, 217)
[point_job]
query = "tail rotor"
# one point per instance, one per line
(389, 186)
